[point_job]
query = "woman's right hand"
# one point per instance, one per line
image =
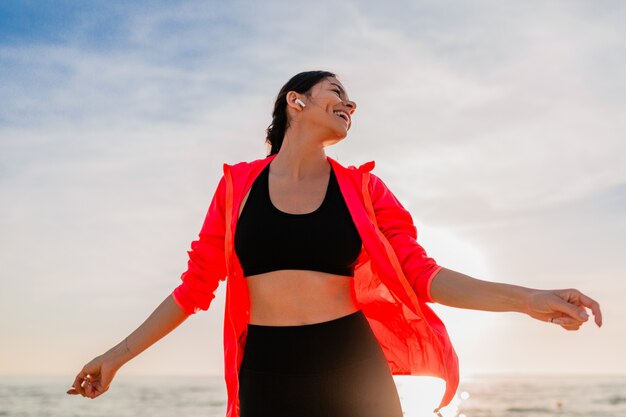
(95, 377)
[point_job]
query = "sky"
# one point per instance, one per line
(496, 123)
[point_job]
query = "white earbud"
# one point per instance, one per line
(300, 102)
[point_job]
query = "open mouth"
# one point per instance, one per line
(342, 115)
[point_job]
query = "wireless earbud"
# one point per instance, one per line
(300, 102)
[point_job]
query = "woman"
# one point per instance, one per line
(327, 286)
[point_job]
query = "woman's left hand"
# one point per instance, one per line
(563, 307)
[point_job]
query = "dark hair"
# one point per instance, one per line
(300, 83)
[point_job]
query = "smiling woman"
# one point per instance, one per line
(327, 289)
(321, 91)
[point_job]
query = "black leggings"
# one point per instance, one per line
(330, 369)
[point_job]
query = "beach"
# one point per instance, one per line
(205, 396)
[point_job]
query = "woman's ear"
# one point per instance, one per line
(294, 100)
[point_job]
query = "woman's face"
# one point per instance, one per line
(329, 108)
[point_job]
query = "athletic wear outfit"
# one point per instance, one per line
(268, 239)
(341, 367)
(329, 369)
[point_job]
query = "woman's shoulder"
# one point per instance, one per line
(364, 167)
(244, 166)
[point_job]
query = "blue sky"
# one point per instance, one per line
(499, 125)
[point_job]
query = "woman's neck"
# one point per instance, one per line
(300, 159)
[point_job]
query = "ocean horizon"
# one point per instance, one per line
(486, 395)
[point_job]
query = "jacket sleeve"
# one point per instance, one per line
(207, 264)
(396, 223)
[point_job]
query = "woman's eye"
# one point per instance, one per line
(338, 92)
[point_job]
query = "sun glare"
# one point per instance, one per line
(420, 395)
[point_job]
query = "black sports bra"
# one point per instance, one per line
(267, 239)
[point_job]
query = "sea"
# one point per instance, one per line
(205, 396)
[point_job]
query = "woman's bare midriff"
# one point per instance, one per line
(299, 297)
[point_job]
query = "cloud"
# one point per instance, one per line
(497, 123)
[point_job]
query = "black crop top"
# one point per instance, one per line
(267, 239)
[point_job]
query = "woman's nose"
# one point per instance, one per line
(351, 105)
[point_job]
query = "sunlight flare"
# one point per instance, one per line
(420, 395)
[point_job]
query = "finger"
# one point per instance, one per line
(571, 327)
(572, 310)
(87, 384)
(89, 389)
(97, 389)
(83, 388)
(78, 380)
(93, 391)
(567, 321)
(594, 306)
(80, 388)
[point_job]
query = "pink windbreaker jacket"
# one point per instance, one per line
(392, 278)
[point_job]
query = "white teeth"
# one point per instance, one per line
(342, 115)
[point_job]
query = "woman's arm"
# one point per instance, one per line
(96, 376)
(165, 318)
(565, 307)
(432, 283)
(206, 268)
